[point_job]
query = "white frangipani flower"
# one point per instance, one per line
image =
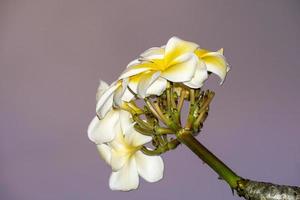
(128, 162)
(105, 129)
(178, 61)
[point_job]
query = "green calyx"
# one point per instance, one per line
(160, 116)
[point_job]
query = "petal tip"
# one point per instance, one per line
(221, 51)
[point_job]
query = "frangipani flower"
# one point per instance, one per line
(105, 129)
(127, 161)
(178, 61)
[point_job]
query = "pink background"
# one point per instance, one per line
(52, 54)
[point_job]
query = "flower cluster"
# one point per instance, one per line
(118, 143)
(118, 132)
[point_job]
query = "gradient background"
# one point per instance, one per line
(52, 54)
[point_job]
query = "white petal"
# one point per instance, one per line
(119, 143)
(117, 97)
(126, 178)
(145, 82)
(126, 121)
(216, 63)
(119, 157)
(120, 92)
(153, 53)
(199, 77)
(120, 150)
(105, 107)
(134, 62)
(104, 152)
(151, 168)
(133, 84)
(103, 86)
(132, 71)
(104, 130)
(158, 87)
(177, 47)
(128, 96)
(106, 100)
(221, 51)
(136, 139)
(182, 71)
(92, 128)
(136, 69)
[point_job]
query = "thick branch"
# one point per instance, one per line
(253, 190)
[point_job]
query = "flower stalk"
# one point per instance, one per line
(209, 158)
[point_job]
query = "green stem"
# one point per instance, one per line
(161, 149)
(163, 131)
(156, 111)
(209, 158)
(181, 100)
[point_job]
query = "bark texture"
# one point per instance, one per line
(253, 190)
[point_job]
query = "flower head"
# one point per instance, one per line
(128, 162)
(175, 62)
(119, 145)
(170, 75)
(179, 62)
(104, 126)
(105, 129)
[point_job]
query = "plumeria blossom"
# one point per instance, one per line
(104, 129)
(179, 61)
(128, 162)
(119, 145)
(176, 62)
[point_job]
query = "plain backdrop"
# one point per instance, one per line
(53, 53)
